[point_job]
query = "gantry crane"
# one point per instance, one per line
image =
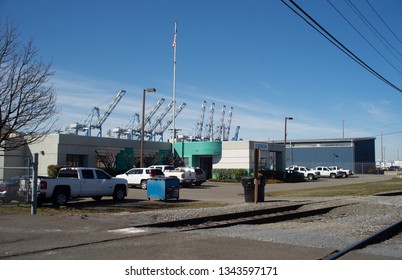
(227, 127)
(86, 125)
(209, 130)
(149, 129)
(127, 129)
(196, 133)
(159, 131)
(106, 114)
(90, 123)
(236, 135)
(137, 128)
(221, 126)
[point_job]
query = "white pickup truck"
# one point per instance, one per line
(309, 174)
(326, 172)
(345, 172)
(81, 182)
(184, 174)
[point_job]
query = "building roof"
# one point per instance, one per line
(326, 140)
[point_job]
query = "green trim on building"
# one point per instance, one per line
(193, 150)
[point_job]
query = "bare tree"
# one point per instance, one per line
(27, 100)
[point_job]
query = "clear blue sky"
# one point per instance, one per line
(255, 56)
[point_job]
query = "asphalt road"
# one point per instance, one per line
(75, 237)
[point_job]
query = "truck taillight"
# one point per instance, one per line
(152, 175)
(43, 185)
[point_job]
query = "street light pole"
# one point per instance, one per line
(284, 142)
(143, 123)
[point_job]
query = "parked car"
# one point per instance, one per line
(345, 172)
(139, 176)
(394, 168)
(9, 190)
(326, 172)
(200, 176)
(308, 173)
(163, 167)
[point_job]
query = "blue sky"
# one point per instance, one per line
(255, 56)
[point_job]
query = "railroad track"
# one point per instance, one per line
(255, 217)
(378, 237)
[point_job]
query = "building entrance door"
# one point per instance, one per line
(206, 165)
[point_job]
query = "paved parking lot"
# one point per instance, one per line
(112, 236)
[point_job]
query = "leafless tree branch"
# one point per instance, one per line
(27, 100)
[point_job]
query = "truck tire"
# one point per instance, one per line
(310, 176)
(333, 176)
(60, 197)
(144, 184)
(119, 194)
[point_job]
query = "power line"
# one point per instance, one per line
(383, 21)
(374, 31)
(315, 25)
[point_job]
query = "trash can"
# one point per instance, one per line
(163, 188)
(248, 184)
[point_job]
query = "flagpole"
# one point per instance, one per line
(174, 86)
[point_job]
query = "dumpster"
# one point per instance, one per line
(248, 184)
(163, 188)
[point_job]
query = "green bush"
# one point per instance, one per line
(233, 174)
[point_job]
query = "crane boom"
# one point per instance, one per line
(210, 126)
(227, 128)
(221, 126)
(236, 136)
(162, 128)
(196, 132)
(137, 128)
(106, 114)
(149, 129)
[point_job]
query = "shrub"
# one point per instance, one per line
(233, 174)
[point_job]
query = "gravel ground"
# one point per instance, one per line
(358, 218)
(337, 229)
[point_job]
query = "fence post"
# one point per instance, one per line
(35, 185)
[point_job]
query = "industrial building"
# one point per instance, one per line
(207, 146)
(357, 154)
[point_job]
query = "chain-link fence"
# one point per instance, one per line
(15, 183)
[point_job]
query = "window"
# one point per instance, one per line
(76, 160)
(87, 174)
(101, 174)
(68, 173)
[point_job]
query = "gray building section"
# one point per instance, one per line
(357, 154)
(77, 150)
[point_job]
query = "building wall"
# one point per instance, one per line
(58, 148)
(240, 154)
(351, 153)
(192, 151)
(364, 157)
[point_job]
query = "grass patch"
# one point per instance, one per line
(362, 189)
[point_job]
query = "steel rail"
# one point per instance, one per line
(384, 234)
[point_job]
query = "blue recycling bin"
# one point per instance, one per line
(163, 188)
